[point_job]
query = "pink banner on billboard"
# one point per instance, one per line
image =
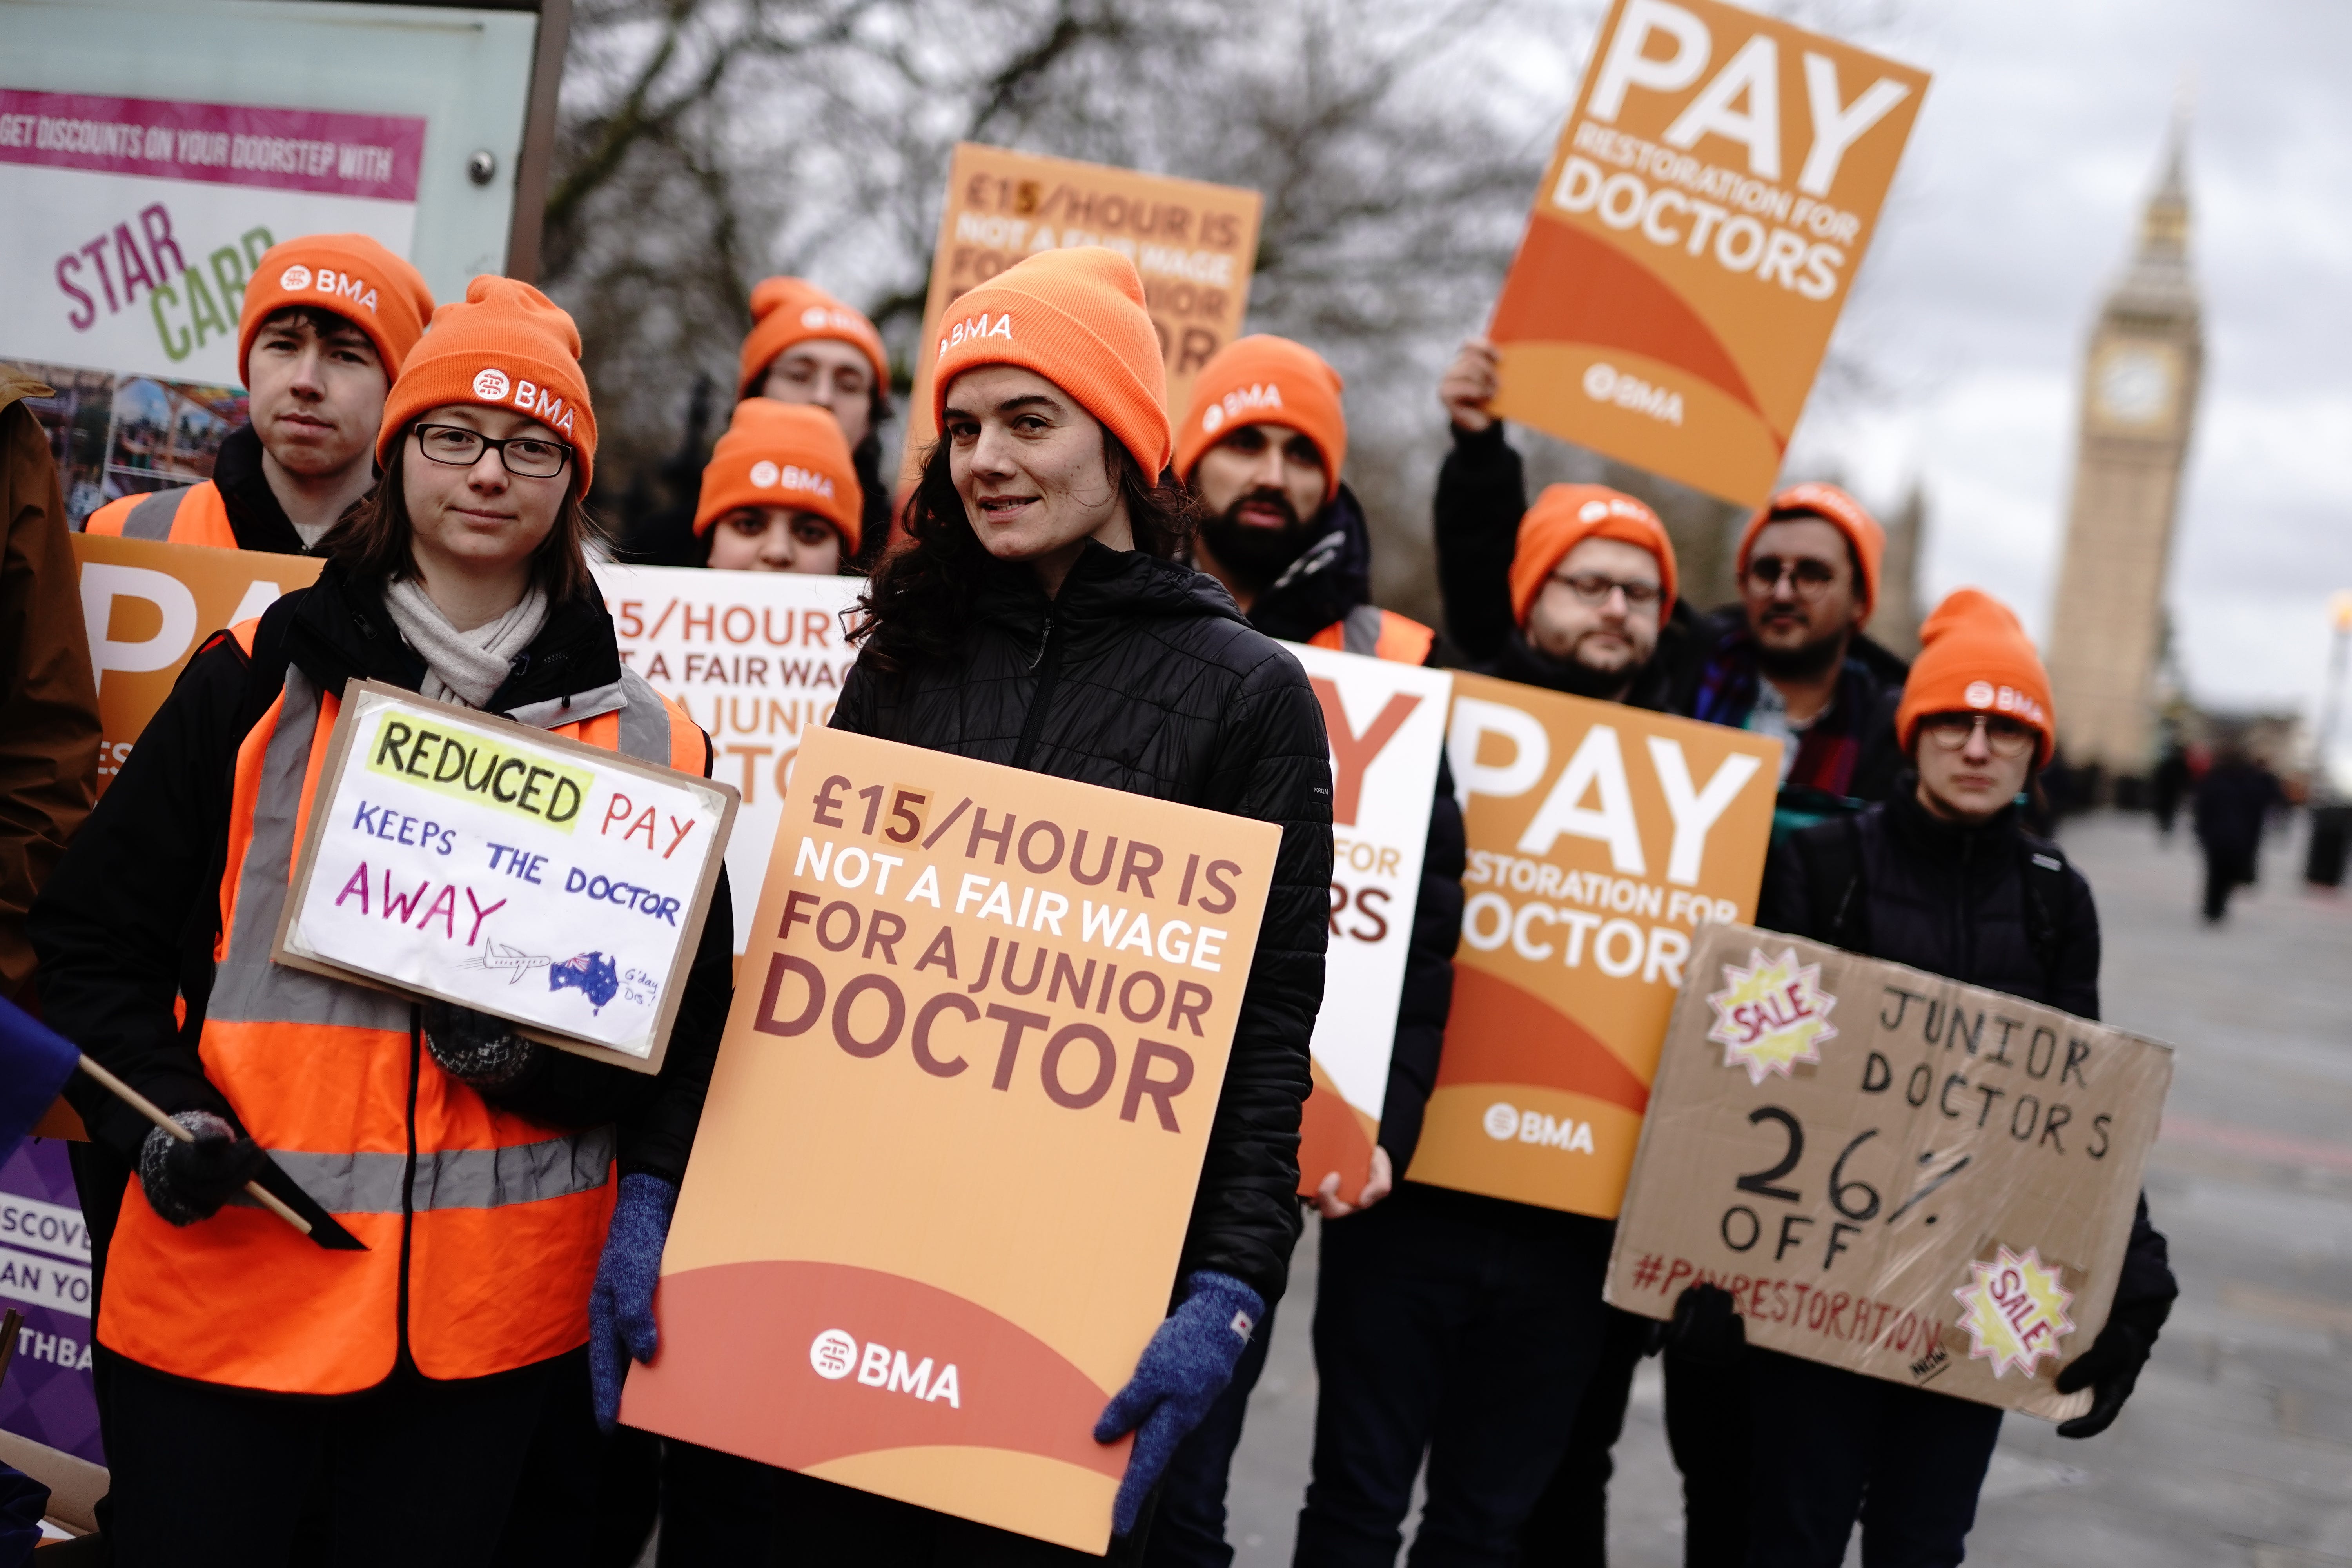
(223, 143)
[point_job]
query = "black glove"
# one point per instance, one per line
(476, 1049)
(188, 1181)
(2111, 1366)
(1707, 1330)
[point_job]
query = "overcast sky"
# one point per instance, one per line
(2017, 206)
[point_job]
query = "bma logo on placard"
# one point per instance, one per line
(835, 1354)
(1506, 1122)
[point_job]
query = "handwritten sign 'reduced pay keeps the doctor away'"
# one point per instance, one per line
(466, 856)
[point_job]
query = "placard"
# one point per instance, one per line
(147, 605)
(1387, 725)
(754, 658)
(1194, 244)
(1602, 838)
(460, 855)
(1891, 1172)
(1694, 238)
(942, 1179)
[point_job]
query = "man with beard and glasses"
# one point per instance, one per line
(1262, 446)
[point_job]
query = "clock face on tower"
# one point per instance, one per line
(2133, 385)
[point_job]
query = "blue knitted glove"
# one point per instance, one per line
(621, 1304)
(1187, 1364)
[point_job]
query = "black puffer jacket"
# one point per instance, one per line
(129, 918)
(1897, 883)
(1141, 675)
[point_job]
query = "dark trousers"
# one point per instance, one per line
(1830, 1446)
(719, 1511)
(2225, 871)
(1706, 1428)
(1190, 1529)
(1458, 1326)
(415, 1471)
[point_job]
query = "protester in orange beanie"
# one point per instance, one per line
(1863, 537)
(327, 321)
(780, 493)
(352, 275)
(1076, 317)
(1976, 659)
(789, 310)
(507, 346)
(1263, 379)
(1564, 517)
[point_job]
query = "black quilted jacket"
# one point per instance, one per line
(1142, 675)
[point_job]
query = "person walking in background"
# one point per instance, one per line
(780, 494)
(2234, 800)
(1942, 877)
(392, 1394)
(328, 321)
(2168, 785)
(1262, 446)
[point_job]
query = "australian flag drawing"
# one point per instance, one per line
(592, 974)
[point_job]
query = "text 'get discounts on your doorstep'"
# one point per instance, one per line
(951, 1143)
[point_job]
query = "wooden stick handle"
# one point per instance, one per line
(154, 1113)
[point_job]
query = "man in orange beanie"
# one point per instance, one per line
(327, 322)
(805, 346)
(1941, 876)
(780, 493)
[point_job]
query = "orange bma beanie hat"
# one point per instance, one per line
(350, 274)
(788, 455)
(507, 346)
(1841, 511)
(788, 310)
(1266, 380)
(1076, 318)
(1974, 658)
(1564, 517)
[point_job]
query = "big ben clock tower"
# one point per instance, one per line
(2140, 401)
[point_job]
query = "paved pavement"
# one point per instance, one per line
(2236, 1449)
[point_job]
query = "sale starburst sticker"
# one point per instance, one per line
(1772, 1015)
(2015, 1310)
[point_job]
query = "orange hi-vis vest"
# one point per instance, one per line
(483, 1228)
(1381, 634)
(185, 514)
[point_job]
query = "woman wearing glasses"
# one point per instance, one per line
(1940, 877)
(398, 1389)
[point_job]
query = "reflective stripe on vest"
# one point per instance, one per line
(185, 514)
(1378, 634)
(504, 1216)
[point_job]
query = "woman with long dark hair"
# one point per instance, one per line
(391, 1396)
(1039, 618)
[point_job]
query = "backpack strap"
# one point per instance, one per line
(2042, 866)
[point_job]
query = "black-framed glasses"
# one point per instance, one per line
(2006, 736)
(1809, 579)
(1593, 590)
(525, 457)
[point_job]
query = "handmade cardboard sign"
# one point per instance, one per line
(754, 658)
(1387, 724)
(460, 855)
(1695, 237)
(1194, 244)
(943, 1175)
(1890, 1172)
(1602, 839)
(147, 605)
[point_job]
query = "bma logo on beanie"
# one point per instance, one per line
(1615, 506)
(981, 326)
(492, 384)
(1241, 401)
(295, 276)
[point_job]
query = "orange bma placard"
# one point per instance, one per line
(1194, 244)
(1601, 838)
(1695, 237)
(935, 1205)
(149, 604)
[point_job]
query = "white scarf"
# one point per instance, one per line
(463, 666)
